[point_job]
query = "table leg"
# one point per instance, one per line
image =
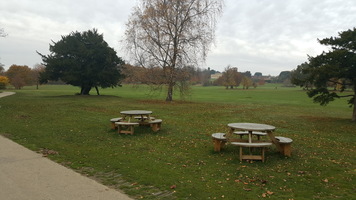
(145, 119)
(231, 131)
(249, 136)
(123, 118)
(274, 140)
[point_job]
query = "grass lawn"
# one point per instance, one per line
(178, 162)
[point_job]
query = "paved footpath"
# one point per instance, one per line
(25, 174)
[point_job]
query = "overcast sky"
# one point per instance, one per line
(267, 36)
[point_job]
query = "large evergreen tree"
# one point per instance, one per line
(336, 68)
(84, 60)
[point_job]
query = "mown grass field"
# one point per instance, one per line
(178, 162)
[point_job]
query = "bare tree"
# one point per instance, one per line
(171, 34)
(2, 34)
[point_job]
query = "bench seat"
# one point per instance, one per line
(126, 127)
(258, 134)
(286, 145)
(156, 124)
(257, 144)
(113, 120)
(284, 140)
(219, 141)
(143, 118)
(261, 145)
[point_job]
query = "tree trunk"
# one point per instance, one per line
(170, 92)
(85, 90)
(97, 90)
(354, 111)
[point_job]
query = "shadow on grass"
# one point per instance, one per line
(82, 96)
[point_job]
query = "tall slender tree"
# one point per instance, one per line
(172, 34)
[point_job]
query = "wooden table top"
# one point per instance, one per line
(136, 112)
(252, 126)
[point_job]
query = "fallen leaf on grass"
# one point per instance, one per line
(264, 181)
(267, 193)
(270, 193)
(173, 187)
(247, 189)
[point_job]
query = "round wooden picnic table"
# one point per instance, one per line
(250, 127)
(144, 114)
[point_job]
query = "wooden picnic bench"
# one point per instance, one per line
(258, 134)
(286, 145)
(156, 124)
(126, 127)
(261, 145)
(113, 120)
(219, 141)
(143, 118)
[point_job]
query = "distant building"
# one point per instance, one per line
(216, 75)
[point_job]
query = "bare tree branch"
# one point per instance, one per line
(2, 33)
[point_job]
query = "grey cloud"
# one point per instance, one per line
(255, 35)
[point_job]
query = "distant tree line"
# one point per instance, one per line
(155, 75)
(20, 75)
(190, 75)
(232, 78)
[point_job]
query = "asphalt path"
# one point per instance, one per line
(25, 174)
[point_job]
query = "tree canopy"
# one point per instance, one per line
(283, 76)
(84, 60)
(230, 78)
(19, 75)
(171, 35)
(335, 68)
